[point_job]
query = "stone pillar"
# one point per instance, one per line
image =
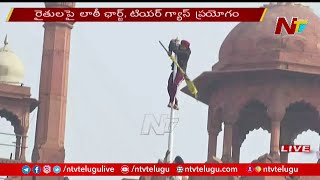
(275, 139)
(214, 128)
(284, 157)
(50, 128)
(276, 112)
(23, 135)
(18, 147)
(236, 153)
(23, 146)
(212, 144)
(236, 144)
(227, 142)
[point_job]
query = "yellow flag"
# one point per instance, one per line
(191, 87)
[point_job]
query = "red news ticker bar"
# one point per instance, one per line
(160, 170)
(136, 14)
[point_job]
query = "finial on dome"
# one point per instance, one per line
(6, 40)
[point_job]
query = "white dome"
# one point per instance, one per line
(11, 68)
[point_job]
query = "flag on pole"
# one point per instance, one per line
(191, 86)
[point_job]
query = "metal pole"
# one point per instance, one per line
(170, 141)
(10, 159)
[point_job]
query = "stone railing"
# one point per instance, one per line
(7, 161)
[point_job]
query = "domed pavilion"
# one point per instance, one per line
(15, 101)
(263, 80)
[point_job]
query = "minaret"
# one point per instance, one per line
(50, 129)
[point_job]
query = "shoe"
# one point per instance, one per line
(170, 105)
(176, 107)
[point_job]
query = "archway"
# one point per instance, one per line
(7, 138)
(300, 117)
(252, 147)
(10, 135)
(306, 138)
(253, 117)
(12, 118)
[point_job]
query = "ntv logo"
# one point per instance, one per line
(159, 126)
(297, 26)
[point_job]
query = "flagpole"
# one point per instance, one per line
(169, 159)
(172, 113)
(170, 142)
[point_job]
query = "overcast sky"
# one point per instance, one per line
(118, 73)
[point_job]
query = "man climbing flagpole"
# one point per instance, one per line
(179, 66)
(182, 52)
(174, 73)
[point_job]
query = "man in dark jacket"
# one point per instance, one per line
(182, 52)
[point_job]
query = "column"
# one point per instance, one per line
(23, 146)
(227, 142)
(236, 153)
(276, 112)
(214, 128)
(275, 139)
(284, 157)
(53, 90)
(212, 144)
(18, 147)
(236, 144)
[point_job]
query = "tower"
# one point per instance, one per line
(15, 101)
(263, 80)
(50, 128)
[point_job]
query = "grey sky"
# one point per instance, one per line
(118, 73)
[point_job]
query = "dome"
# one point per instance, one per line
(255, 44)
(11, 68)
